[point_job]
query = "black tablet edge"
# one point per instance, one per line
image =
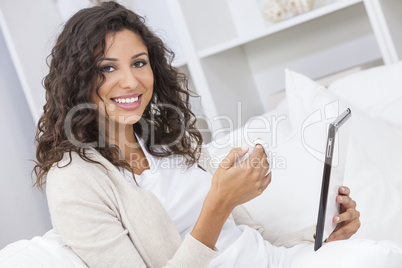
(324, 188)
(333, 128)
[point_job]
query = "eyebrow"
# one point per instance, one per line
(133, 57)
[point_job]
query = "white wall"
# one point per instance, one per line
(23, 210)
(29, 28)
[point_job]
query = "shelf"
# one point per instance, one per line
(317, 48)
(280, 26)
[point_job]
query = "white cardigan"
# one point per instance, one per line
(109, 223)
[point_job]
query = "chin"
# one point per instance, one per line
(128, 120)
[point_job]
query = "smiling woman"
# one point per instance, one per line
(129, 81)
(114, 108)
(119, 60)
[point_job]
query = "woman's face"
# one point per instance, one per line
(128, 86)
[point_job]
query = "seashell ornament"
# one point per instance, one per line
(297, 7)
(274, 11)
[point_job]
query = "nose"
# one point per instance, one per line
(128, 80)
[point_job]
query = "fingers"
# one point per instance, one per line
(257, 162)
(345, 231)
(348, 221)
(346, 202)
(348, 224)
(265, 166)
(265, 163)
(350, 215)
(259, 159)
(343, 190)
(348, 207)
(266, 181)
(258, 151)
(258, 148)
(232, 156)
(258, 155)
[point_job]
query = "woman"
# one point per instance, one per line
(119, 151)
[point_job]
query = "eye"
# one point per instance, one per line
(139, 64)
(107, 69)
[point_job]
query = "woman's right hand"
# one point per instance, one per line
(233, 184)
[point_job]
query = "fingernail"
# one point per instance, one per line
(337, 219)
(340, 199)
(244, 148)
(342, 189)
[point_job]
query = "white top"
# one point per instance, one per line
(182, 192)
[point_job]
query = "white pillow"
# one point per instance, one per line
(291, 201)
(376, 91)
(40, 252)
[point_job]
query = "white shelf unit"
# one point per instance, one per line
(235, 59)
(317, 12)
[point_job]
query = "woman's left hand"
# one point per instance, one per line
(348, 221)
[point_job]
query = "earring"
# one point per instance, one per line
(154, 107)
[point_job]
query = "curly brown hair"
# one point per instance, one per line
(74, 72)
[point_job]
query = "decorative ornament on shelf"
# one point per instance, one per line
(297, 7)
(274, 11)
(277, 10)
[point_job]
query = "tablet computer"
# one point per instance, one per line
(332, 178)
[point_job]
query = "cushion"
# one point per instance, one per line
(39, 252)
(376, 91)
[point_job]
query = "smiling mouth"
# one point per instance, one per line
(126, 100)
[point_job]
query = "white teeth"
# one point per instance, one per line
(126, 100)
